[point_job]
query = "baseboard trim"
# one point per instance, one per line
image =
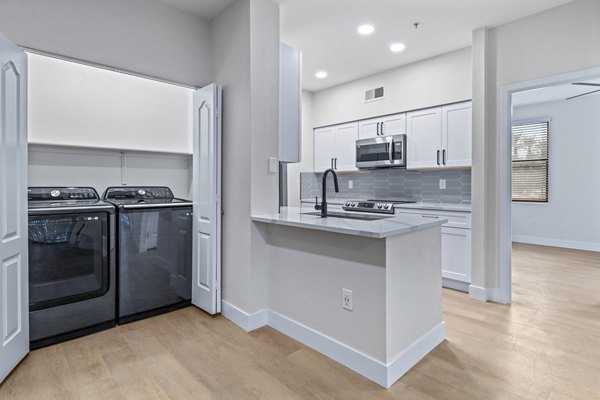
(485, 294)
(355, 360)
(380, 373)
(244, 320)
(415, 352)
(566, 244)
(456, 285)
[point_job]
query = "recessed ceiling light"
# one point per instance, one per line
(321, 74)
(366, 29)
(397, 47)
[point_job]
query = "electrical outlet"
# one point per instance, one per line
(532, 222)
(442, 184)
(347, 299)
(350, 184)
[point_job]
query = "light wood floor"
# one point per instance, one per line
(546, 345)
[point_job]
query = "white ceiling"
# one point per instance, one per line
(205, 9)
(553, 93)
(325, 31)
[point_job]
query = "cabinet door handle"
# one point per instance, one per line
(438, 157)
(335, 163)
(382, 129)
(378, 129)
(444, 156)
(332, 163)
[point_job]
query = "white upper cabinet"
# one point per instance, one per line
(335, 147)
(72, 104)
(439, 137)
(368, 128)
(382, 126)
(424, 138)
(345, 157)
(324, 148)
(290, 103)
(456, 135)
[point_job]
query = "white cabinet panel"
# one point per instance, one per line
(346, 136)
(335, 147)
(455, 219)
(424, 132)
(290, 103)
(368, 128)
(456, 254)
(393, 125)
(382, 126)
(72, 104)
(456, 135)
(456, 242)
(324, 148)
(439, 137)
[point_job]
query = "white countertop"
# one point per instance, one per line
(379, 229)
(419, 205)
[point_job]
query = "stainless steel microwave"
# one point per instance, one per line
(381, 152)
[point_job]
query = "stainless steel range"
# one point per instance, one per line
(374, 206)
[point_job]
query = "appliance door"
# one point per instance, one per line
(68, 258)
(155, 258)
(380, 152)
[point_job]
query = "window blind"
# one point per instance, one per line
(530, 162)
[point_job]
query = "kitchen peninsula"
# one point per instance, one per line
(363, 290)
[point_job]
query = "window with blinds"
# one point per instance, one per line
(530, 162)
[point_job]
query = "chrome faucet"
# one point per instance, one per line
(323, 205)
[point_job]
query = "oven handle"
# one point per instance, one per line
(391, 150)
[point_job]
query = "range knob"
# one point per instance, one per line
(142, 192)
(379, 206)
(347, 203)
(55, 193)
(386, 206)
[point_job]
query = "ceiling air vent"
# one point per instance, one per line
(374, 94)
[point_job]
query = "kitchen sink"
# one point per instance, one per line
(360, 217)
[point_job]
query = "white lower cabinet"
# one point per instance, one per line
(456, 254)
(456, 246)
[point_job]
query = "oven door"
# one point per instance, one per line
(68, 258)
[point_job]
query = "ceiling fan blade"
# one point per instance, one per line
(583, 94)
(586, 84)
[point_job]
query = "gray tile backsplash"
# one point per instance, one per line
(393, 183)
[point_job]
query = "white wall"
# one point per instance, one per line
(572, 214)
(142, 36)
(435, 81)
(307, 151)
(559, 40)
(63, 166)
(78, 105)
(246, 63)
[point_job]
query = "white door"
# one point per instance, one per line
(393, 125)
(345, 144)
(424, 138)
(324, 148)
(14, 296)
(368, 128)
(456, 135)
(206, 256)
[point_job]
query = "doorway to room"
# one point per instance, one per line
(548, 177)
